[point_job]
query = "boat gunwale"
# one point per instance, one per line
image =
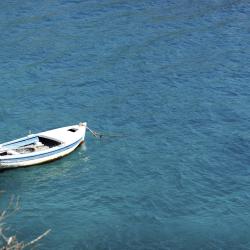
(26, 138)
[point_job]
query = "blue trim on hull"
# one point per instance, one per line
(39, 156)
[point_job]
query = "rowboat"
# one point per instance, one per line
(41, 147)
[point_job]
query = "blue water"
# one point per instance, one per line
(172, 78)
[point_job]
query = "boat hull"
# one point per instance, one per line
(32, 162)
(43, 157)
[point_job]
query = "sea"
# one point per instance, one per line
(168, 84)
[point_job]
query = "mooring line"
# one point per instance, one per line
(94, 133)
(100, 135)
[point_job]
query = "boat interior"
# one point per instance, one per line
(34, 144)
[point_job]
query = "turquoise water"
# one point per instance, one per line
(171, 77)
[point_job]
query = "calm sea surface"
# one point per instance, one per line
(172, 78)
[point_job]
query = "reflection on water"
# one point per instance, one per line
(45, 172)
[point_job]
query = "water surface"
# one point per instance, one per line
(171, 77)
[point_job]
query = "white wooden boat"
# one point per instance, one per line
(42, 147)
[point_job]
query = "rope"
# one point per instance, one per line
(94, 133)
(100, 135)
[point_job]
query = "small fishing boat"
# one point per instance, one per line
(42, 147)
